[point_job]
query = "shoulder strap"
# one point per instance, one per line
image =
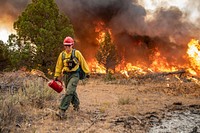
(72, 56)
(73, 53)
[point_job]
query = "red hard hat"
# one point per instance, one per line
(68, 41)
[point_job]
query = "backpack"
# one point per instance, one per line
(82, 74)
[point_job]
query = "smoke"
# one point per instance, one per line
(9, 11)
(138, 27)
(121, 16)
(193, 10)
(136, 31)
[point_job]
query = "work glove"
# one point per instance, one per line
(87, 76)
(56, 78)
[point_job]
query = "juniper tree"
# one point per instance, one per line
(107, 53)
(4, 60)
(43, 28)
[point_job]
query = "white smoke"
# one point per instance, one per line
(190, 8)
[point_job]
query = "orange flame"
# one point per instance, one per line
(95, 67)
(100, 29)
(194, 56)
(159, 61)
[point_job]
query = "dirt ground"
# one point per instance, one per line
(120, 106)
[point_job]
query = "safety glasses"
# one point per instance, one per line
(67, 45)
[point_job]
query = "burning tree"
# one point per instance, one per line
(107, 54)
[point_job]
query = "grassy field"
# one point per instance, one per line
(109, 105)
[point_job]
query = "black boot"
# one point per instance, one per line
(61, 114)
(76, 108)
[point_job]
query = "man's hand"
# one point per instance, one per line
(56, 78)
(87, 76)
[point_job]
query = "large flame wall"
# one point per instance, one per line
(156, 40)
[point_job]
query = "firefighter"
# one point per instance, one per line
(70, 67)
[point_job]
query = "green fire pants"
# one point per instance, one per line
(71, 96)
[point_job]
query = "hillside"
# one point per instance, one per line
(135, 105)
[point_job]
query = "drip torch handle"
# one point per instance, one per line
(59, 81)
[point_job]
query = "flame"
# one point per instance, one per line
(130, 68)
(95, 67)
(100, 29)
(194, 56)
(101, 37)
(159, 62)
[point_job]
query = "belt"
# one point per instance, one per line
(73, 72)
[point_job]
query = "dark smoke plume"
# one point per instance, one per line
(10, 9)
(136, 37)
(121, 16)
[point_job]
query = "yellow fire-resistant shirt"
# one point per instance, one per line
(61, 64)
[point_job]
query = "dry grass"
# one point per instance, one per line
(14, 106)
(31, 107)
(124, 100)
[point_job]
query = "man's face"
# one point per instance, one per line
(68, 47)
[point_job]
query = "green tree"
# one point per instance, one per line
(107, 54)
(41, 30)
(20, 53)
(4, 59)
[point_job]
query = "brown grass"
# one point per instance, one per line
(102, 102)
(14, 107)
